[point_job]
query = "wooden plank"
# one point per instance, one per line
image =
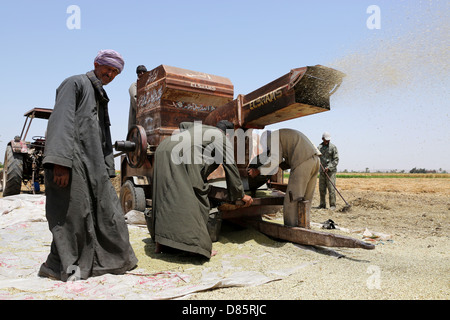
(278, 186)
(304, 209)
(304, 236)
(252, 211)
(251, 217)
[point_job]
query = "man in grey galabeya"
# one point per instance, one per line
(90, 235)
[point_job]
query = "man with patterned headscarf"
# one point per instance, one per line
(90, 235)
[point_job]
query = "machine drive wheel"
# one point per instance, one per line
(137, 135)
(12, 173)
(132, 197)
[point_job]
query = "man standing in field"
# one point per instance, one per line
(90, 235)
(328, 168)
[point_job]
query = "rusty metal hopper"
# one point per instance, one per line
(168, 96)
(301, 92)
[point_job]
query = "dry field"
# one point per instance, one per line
(409, 207)
(411, 262)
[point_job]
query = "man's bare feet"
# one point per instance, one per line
(158, 247)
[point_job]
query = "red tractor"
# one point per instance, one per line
(23, 160)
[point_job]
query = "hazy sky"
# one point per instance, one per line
(391, 112)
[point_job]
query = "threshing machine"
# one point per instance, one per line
(167, 96)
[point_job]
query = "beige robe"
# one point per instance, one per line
(291, 149)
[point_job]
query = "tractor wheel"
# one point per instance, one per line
(12, 173)
(132, 197)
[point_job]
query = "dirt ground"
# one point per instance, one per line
(410, 260)
(407, 219)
